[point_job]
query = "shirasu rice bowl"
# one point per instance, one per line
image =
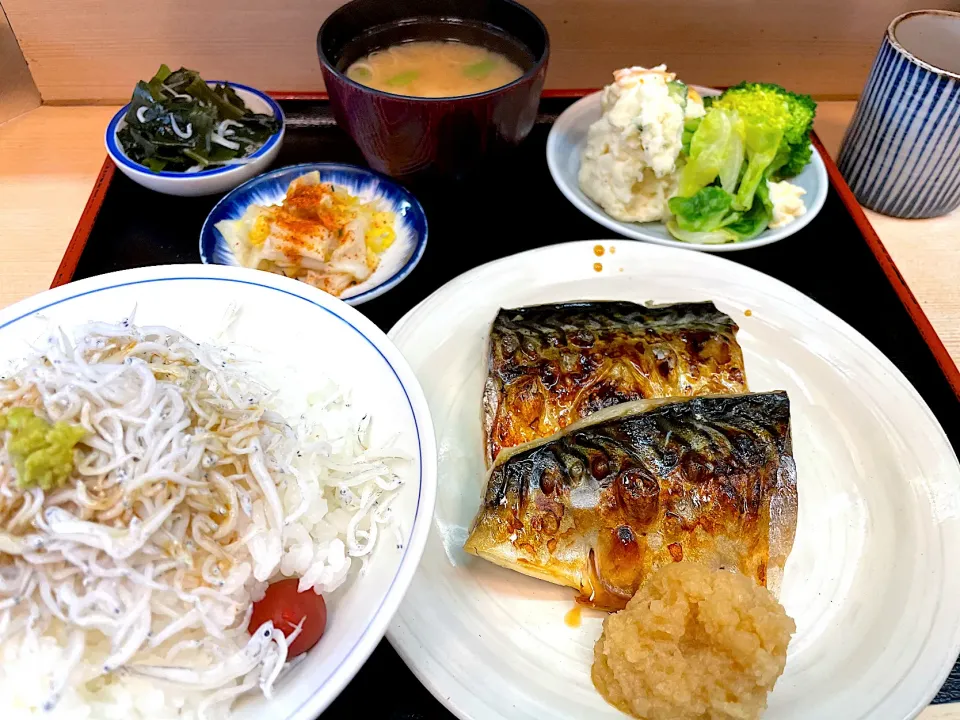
(126, 591)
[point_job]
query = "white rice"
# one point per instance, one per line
(335, 494)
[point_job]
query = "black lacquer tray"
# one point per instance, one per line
(838, 260)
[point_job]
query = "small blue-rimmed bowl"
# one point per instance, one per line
(396, 262)
(203, 182)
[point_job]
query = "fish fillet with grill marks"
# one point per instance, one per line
(604, 502)
(550, 365)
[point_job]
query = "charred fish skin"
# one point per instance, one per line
(550, 365)
(607, 500)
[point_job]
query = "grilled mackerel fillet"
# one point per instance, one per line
(550, 365)
(605, 501)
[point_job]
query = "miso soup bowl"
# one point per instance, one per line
(406, 136)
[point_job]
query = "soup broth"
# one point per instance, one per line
(434, 69)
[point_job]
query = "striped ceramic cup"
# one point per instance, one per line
(901, 153)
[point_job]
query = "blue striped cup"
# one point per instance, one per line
(901, 153)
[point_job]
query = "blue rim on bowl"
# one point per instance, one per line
(119, 156)
(270, 188)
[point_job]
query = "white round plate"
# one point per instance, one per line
(565, 144)
(303, 337)
(871, 580)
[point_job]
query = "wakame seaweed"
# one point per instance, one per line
(177, 122)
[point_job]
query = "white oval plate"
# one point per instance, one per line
(302, 336)
(871, 580)
(565, 144)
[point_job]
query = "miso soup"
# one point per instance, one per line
(434, 69)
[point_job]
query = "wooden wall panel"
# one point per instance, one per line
(18, 93)
(81, 50)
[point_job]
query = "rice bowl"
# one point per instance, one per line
(296, 367)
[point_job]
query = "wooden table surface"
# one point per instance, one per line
(50, 157)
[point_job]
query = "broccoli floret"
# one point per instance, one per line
(789, 111)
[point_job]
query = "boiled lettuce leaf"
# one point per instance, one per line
(716, 150)
(723, 195)
(762, 141)
(708, 217)
(709, 209)
(777, 106)
(755, 220)
(690, 126)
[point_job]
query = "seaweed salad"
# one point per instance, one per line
(177, 122)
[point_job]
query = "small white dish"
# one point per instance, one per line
(204, 182)
(870, 582)
(301, 337)
(565, 144)
(396, 263)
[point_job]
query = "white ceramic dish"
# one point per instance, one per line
(870, 581)
(292, 327)
(205, 182)
(565, 143)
